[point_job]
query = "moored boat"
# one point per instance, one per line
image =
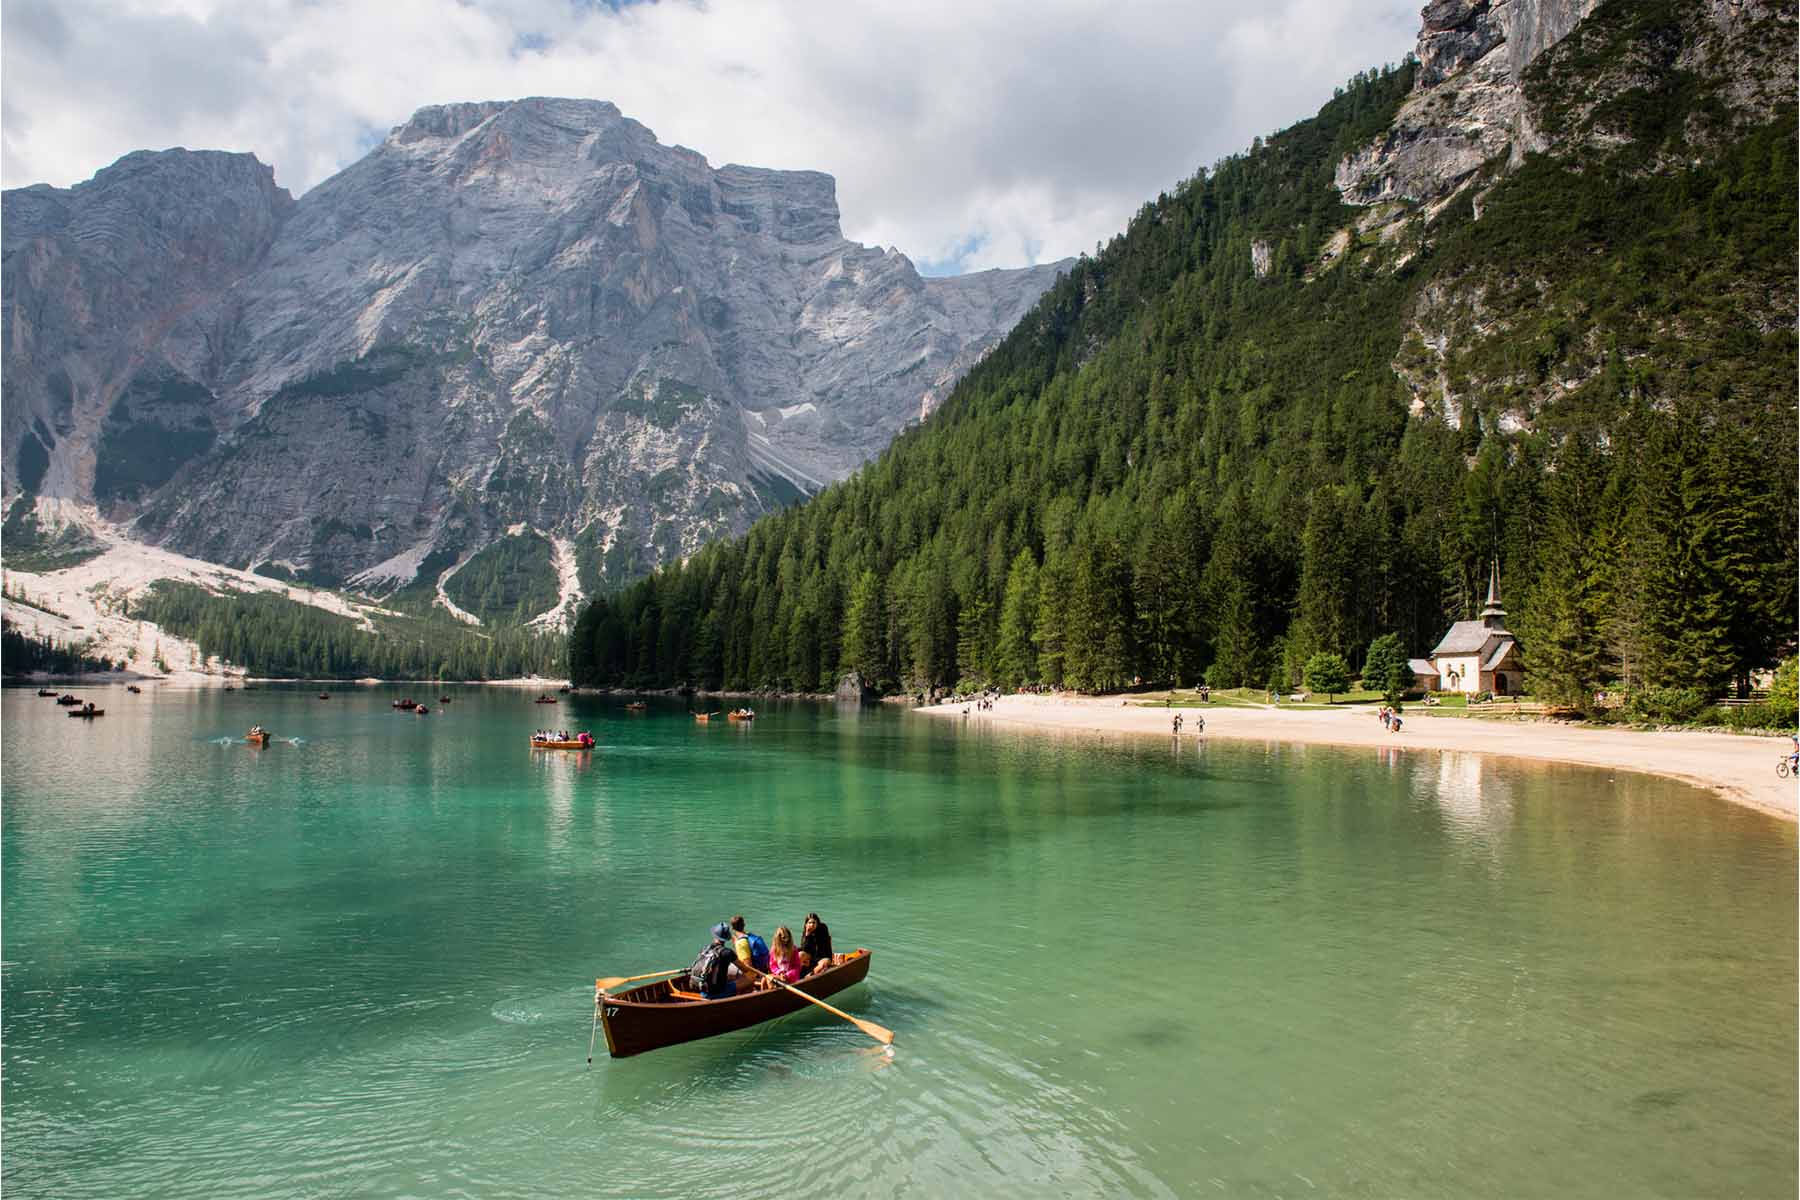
(665, 1013)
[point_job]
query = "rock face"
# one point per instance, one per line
(1575, 80)
(508, 315)
(1467, 102)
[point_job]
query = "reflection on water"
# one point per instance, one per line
(1474, 794)
(361, 962)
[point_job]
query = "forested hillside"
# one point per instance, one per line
(1222, 444)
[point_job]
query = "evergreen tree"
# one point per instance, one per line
(1017, 651)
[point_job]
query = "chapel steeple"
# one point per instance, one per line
(1492, 615)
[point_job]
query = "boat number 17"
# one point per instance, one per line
(612, 1012)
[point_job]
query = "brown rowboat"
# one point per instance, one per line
(661, 1014)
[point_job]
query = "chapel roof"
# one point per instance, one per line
(1466, 637)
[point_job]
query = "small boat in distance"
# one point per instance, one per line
(703, 718)
(324, 695)
(665, 1013)
(134, 689)
(67, 701)
(46, 692)
(581, 741)
(258, 736)
(545, 699)
(443, 699)
(741, 714)
(420, 709)
(637, 706)
(87, 710)
(406, 705)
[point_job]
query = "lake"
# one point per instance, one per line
(360, 961)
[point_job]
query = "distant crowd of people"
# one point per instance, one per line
(737, 960)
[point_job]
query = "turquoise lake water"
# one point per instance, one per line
(360, 963)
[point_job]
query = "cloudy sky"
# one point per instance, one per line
(969, 133)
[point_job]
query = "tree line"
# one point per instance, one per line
(273, 636)
(1178, 469)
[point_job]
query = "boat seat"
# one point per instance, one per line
(681, 995)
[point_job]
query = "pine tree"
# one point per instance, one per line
(1017, 652)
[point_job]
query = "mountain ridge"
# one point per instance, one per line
(508, 311)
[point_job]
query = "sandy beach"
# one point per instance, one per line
(1737, 767)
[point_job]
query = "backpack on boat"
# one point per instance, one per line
(711, 969)
(759, 952)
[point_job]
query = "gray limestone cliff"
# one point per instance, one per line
(1497, 82)
(508, 316)
(1467, 104)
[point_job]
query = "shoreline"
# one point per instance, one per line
(1739, 768)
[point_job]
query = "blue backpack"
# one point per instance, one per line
(759, 951)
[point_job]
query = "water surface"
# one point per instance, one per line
(359, 962)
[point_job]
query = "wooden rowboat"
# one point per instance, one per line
(637, 706)
(560, 744)
(740, 716)
(87, 712)
(704, 717)
(45, 692)
(663, 1014)
(257, 737)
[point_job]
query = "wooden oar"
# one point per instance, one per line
(607, 985)
(884, 1036)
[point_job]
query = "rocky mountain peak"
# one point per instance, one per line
(1467, 102)
(524, 322)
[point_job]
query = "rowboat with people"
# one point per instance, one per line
(87, 710)
(581, 741)
(704, 717)
(545, 699)
(46, 691)
(741, 714)
(666, 1013)
(637, 706)
(258, 736)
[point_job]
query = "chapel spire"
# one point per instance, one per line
(1492, 615)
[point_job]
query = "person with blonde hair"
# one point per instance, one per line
(784, 956)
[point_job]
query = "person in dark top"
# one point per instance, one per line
(711, 972)
(815, 945)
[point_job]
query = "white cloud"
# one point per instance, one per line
(990, 134)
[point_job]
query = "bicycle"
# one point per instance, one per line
(1788, 764)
